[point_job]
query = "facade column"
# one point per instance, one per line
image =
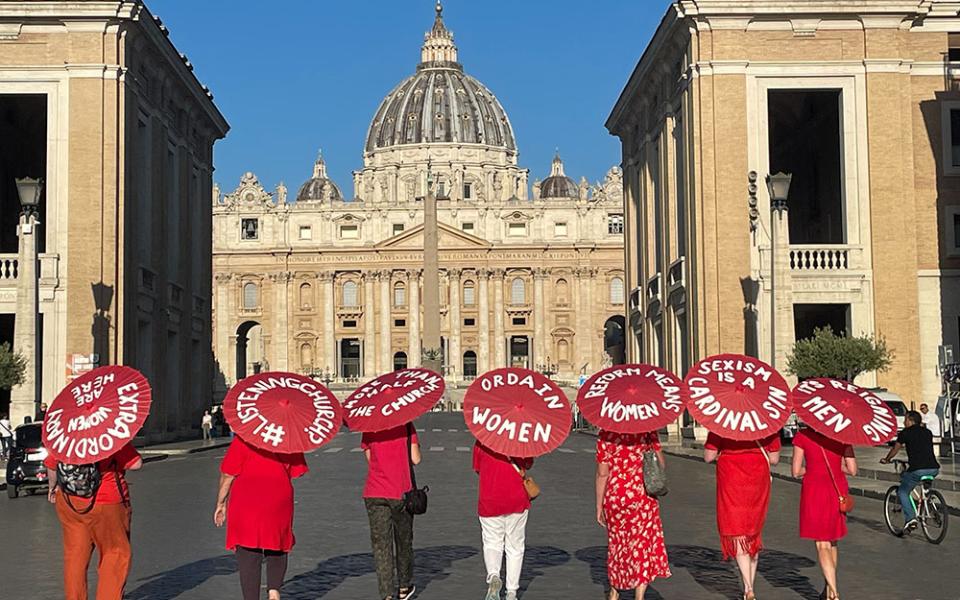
(582, 320)
(539, 317)
(369, 327)
(281, 341)
(483, 351)
(221, 295)
(783, 309)
(386, 323)
(23, 398)
(329, 319)
(499, 337)
(456, 360)
(594, 361)
(413, 319)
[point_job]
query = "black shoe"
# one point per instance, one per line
(407, 593)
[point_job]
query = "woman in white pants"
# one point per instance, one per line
(503, 507)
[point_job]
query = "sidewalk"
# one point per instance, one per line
(872, 480)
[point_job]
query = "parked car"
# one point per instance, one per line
(25, 470)
(896, 404)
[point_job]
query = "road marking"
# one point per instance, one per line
(332, 450)
(436, 430)
(566, 450)
(436, 448)
(453, 430)
(463, 449)
(356, 450)
(591, 450)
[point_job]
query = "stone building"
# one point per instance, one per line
(97, 101)
(859, 102)
(327, 283)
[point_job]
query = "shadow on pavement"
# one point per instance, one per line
(537, 558)
(705, 565)
(596, 557)
(431, 564)
(170, 584)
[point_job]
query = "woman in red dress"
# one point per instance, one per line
(636, 553)
(743, 496)
(823, 464)
(259, 516)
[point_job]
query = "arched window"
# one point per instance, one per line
(561, 292)
(399, 294)
(563, 351)
(399, 361)
(251, 296)
(306, 357)
(306, 296)
(469, 293)
(470, 364)
(350, 293)
(518, 291)
(616, 291)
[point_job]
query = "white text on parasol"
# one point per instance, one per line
(71, 441)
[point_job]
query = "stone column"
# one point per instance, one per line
(591, 327)
(329, 323)
(453, 280)
(23, 398)
(783, 297)
(581, 319)
(369, 327)
(281, 285)
(413, 319)
(223, 333)
(483, 351)
(539, 317)
(386, 323)
(499, 335)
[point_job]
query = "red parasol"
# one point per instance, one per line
(517, 412)
(282, 412)
(96, 415)
(844, 412)
(738, 397)
(393, 400)
(632, 398)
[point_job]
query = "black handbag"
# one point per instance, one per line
(415, 501)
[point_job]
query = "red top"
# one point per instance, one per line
(110, 469)
(501, 487)
(388, 472)
(722, 444)
(260, 505)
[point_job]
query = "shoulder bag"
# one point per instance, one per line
(654, 475)
(846, 501)
(532, 487)
(766, 456)
(415, 501)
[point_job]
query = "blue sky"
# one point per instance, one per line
(295, 76)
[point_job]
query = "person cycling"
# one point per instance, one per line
(921, 462)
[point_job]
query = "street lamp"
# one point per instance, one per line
(778, 186)
(24, 397)
(548, 369)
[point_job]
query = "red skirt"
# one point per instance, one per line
(260, 514)
(743, 496)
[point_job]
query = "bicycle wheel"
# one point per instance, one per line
(893, 512)
(935, 517)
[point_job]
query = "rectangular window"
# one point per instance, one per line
(306, 232)
(956, 231)
(805, 140)
(955, 137)
(349, 324)
(469, 294)
(469, 322)
(681, 181)
(466, 227)
(171, 234)
(467, 191)
(516, 229)
(953, 52)
(399, 322)
(249, 229)
(398, 228)
(519, 321)
(615, 224)
(559, 230)
(349, 232)
(809, 317)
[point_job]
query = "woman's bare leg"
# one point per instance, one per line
(641, 590)
(827, 557)
(745, 563)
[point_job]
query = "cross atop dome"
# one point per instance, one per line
(438, 46)
(556, 169)
(320, 167)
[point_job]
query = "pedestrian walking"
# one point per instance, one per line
(743, 496)
(503, 506)
(256, 502)
(206, 424)
(93, 505)
(824, 465)
(6, 436)
(390, 454)
(636, 553)
(931, 421)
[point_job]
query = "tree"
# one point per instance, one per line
(13, 366)
(838, 357)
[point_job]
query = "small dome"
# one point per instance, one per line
(558, 185)
(319, 188)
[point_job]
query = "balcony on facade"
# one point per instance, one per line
(10, 274)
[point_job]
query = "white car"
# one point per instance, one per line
(896, 404)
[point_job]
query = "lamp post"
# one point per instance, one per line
(24, 398)
(778, 187)
(548, 369)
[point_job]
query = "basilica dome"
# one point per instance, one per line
(440, 103)
(558, 185)
(319, 188)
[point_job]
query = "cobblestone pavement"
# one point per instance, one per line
(179, 553)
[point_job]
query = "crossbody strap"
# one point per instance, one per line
(413, 474)
(830, 471)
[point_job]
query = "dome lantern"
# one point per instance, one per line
(438, 46)
(558, 185)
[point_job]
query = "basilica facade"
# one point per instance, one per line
(330, 284)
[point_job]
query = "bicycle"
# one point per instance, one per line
(928, 503)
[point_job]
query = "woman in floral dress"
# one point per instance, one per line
(636, 553)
